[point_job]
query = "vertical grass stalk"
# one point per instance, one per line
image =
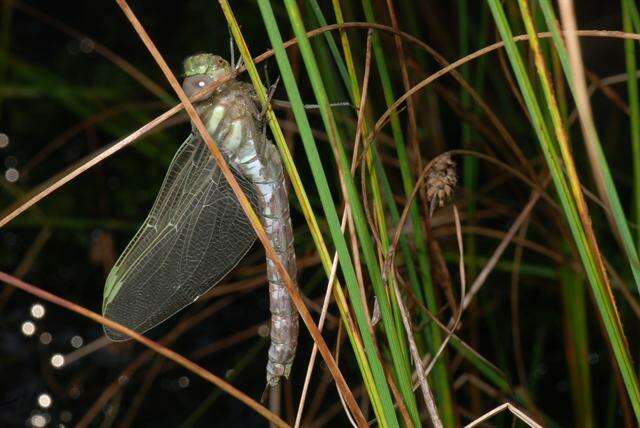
(570, 193)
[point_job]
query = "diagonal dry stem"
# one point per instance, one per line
(427, 395)
(162, 350)
(345, 214)
(251, 215)
(99, 48)
(87, 163)
(463, 294)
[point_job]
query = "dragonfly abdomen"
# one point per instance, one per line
(258, 160)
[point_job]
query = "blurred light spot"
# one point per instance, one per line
(37, 311)
(183, 381)
(110, 410)
(44, 400)
(4, 140)
(76, 341)
(28, 328)
(123, 380)
(263, 330)
(57, 360)
(87, 45)
(11, 175)
(65, 416)
(46, 338)
(229, 373)
(594, 358)
(38, 420)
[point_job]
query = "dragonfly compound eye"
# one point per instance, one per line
(192, 84)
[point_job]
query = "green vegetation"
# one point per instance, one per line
(480, 193)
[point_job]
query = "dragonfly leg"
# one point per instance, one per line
(232, 51)
(263, 113)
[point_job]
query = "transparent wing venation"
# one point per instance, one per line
(195, 233)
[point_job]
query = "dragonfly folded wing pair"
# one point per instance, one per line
(196, 231)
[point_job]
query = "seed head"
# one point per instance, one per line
(441, 182)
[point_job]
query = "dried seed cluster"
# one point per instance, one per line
(441, 181)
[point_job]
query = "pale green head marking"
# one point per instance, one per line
(211, 65)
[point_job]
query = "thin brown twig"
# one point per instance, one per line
(624, 288)
(141, 394)
(27, 261)
(495, 257)
(249, 211)
(515, 312)
(427, 395)
(498, 234)
(607, 91)
(477, 382)
(229, 341)
(484, 51)
(180, 328)
(59, 180)
(448, 331)
(419, 183)
(114, 388)
(345, 213)
(90, 161)
(166, 352)
(411, 109)
(198, 354)
(318, 398)
(513, 87)
(463, 293)
(399, 401)
(328, 414)
(85, 350)
(99, 48)
(79, 127)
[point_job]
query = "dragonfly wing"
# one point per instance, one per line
(195, 233)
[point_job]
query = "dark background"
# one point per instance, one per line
(50, 82)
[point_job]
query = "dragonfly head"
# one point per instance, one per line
(202, 69)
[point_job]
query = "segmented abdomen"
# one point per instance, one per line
(233, 120)
(284, 318)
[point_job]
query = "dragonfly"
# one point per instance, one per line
(196, 231)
